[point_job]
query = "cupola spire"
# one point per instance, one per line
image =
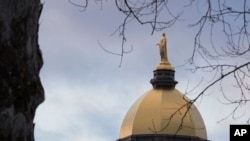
(164, 73)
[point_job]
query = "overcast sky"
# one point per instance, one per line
(87, 94)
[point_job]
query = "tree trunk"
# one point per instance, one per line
(21, 90)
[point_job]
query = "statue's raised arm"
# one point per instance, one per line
(163, 48)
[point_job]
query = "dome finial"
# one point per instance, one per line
(164, 72)
(164, 63)
(163, 48)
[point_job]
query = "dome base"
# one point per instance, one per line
(156, 137)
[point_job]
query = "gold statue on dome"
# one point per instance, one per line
(163, 48)
(164, 63)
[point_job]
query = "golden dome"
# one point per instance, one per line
(159, 112)
(163, 113)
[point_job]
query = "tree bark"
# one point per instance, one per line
(21, 90)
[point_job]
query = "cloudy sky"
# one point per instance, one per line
(87, 94)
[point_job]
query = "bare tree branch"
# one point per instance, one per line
(82, 6)
(139, 11)
(217, 18)
(117, 54)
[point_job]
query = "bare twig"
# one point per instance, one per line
(117, 54)
(219, 16)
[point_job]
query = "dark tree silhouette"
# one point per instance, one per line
(20, 62)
